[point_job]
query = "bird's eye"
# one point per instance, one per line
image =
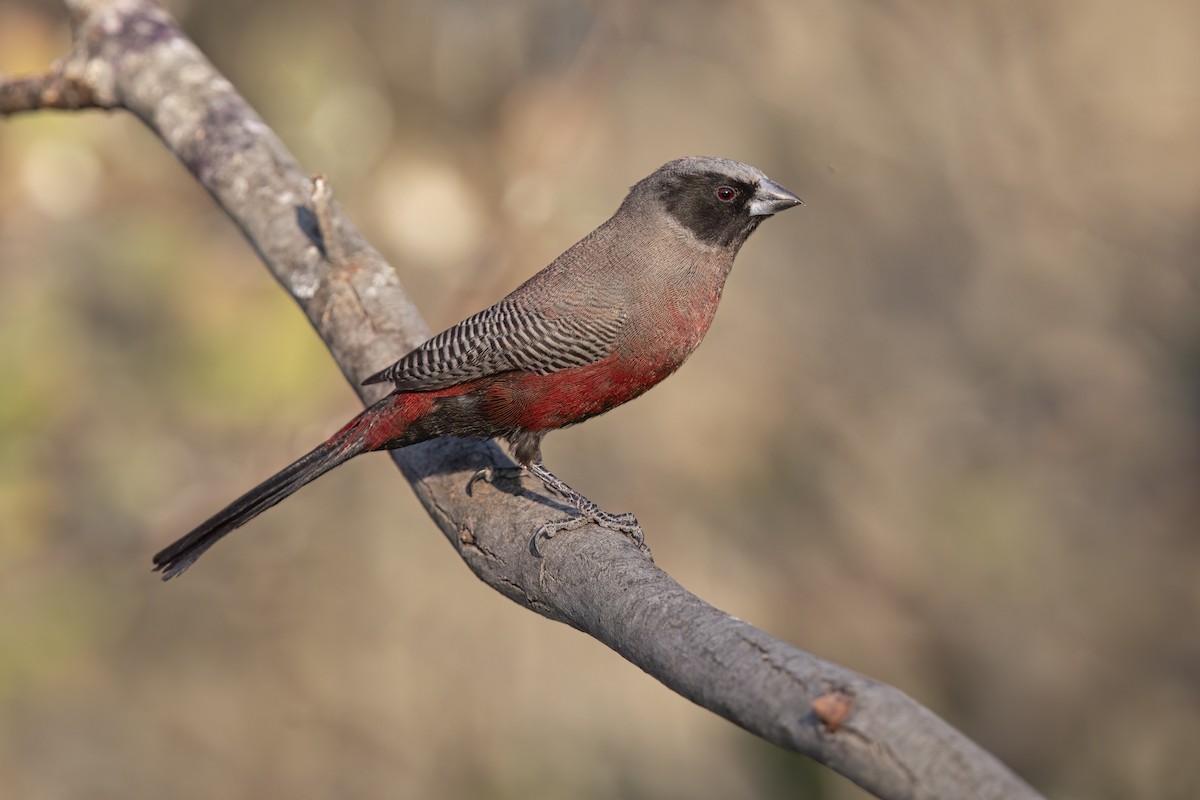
(726, 193)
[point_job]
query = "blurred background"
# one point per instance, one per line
(945, 429)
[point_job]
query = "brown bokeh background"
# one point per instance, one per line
(945, 429)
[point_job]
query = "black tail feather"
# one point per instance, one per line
(174, 559)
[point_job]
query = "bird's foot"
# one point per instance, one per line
(589, 512)
(621, 523)
(493, 474)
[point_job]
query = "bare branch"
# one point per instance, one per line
(132, 54)
(53, 89)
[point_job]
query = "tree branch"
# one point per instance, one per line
(54, 89)
(130, 54)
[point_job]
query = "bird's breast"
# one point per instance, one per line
(544, 402)
(643, 358)
(682, 316)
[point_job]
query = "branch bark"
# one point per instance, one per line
(131, 54)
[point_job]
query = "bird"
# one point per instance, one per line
(608, 319)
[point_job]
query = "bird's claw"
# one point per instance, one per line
(621, 523)
(491, 474)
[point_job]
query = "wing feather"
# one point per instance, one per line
(507, 337)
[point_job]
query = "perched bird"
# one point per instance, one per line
(605, 321)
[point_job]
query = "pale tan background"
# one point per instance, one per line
(945, 430)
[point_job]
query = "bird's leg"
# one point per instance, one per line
(588, 512)
(492, 474)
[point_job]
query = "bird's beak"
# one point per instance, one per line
(771, 197)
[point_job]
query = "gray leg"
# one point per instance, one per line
(493, 474)
(588, 512)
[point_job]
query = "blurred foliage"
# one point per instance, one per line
(945, 430)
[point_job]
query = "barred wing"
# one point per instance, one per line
(506, 338)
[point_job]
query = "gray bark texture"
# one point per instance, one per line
(130, 54)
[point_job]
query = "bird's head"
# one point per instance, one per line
(718, 201)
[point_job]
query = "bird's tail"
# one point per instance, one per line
(358, 436)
